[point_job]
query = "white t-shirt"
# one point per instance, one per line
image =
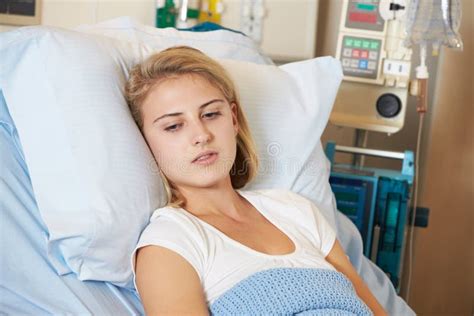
(220, 261)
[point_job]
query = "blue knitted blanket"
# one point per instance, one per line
(291, 291)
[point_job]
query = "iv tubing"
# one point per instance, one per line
(422, 77)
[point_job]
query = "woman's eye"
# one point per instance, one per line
(212, 114)
(172, 128)
(175, 127)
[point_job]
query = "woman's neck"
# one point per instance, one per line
(218, 201)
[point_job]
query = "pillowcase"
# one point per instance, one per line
(94, 178)
(217, 44)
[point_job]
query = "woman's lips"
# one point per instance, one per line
(206, 160)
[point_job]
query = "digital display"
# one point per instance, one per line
(364, 15)
(366, 7)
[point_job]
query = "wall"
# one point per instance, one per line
(70, 13)
(442, 274)
(292, 40)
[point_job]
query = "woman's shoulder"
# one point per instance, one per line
(165, 212)
(170, 228)
(173, 220)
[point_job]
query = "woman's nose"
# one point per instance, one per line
(201, 134)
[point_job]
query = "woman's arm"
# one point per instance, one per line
(338, 258)
(168, 284)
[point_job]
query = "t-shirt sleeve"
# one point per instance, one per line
(177, 234)
(325, 234)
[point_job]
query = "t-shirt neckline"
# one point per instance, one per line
(256, 203)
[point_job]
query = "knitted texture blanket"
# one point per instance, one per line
(291, 291)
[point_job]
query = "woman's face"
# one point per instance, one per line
(184, 117)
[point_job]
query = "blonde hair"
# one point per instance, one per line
(184, 60)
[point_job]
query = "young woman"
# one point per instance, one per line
(212, 234)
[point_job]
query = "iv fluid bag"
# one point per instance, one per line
(434, 22)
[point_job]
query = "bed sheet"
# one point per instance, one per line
(28, 283)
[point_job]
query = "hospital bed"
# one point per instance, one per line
(29, 281)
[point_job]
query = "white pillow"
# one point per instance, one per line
(94, 179)
(288, 108)
(217, 44)
(312, 181)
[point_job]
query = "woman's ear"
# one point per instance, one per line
(235, 121)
